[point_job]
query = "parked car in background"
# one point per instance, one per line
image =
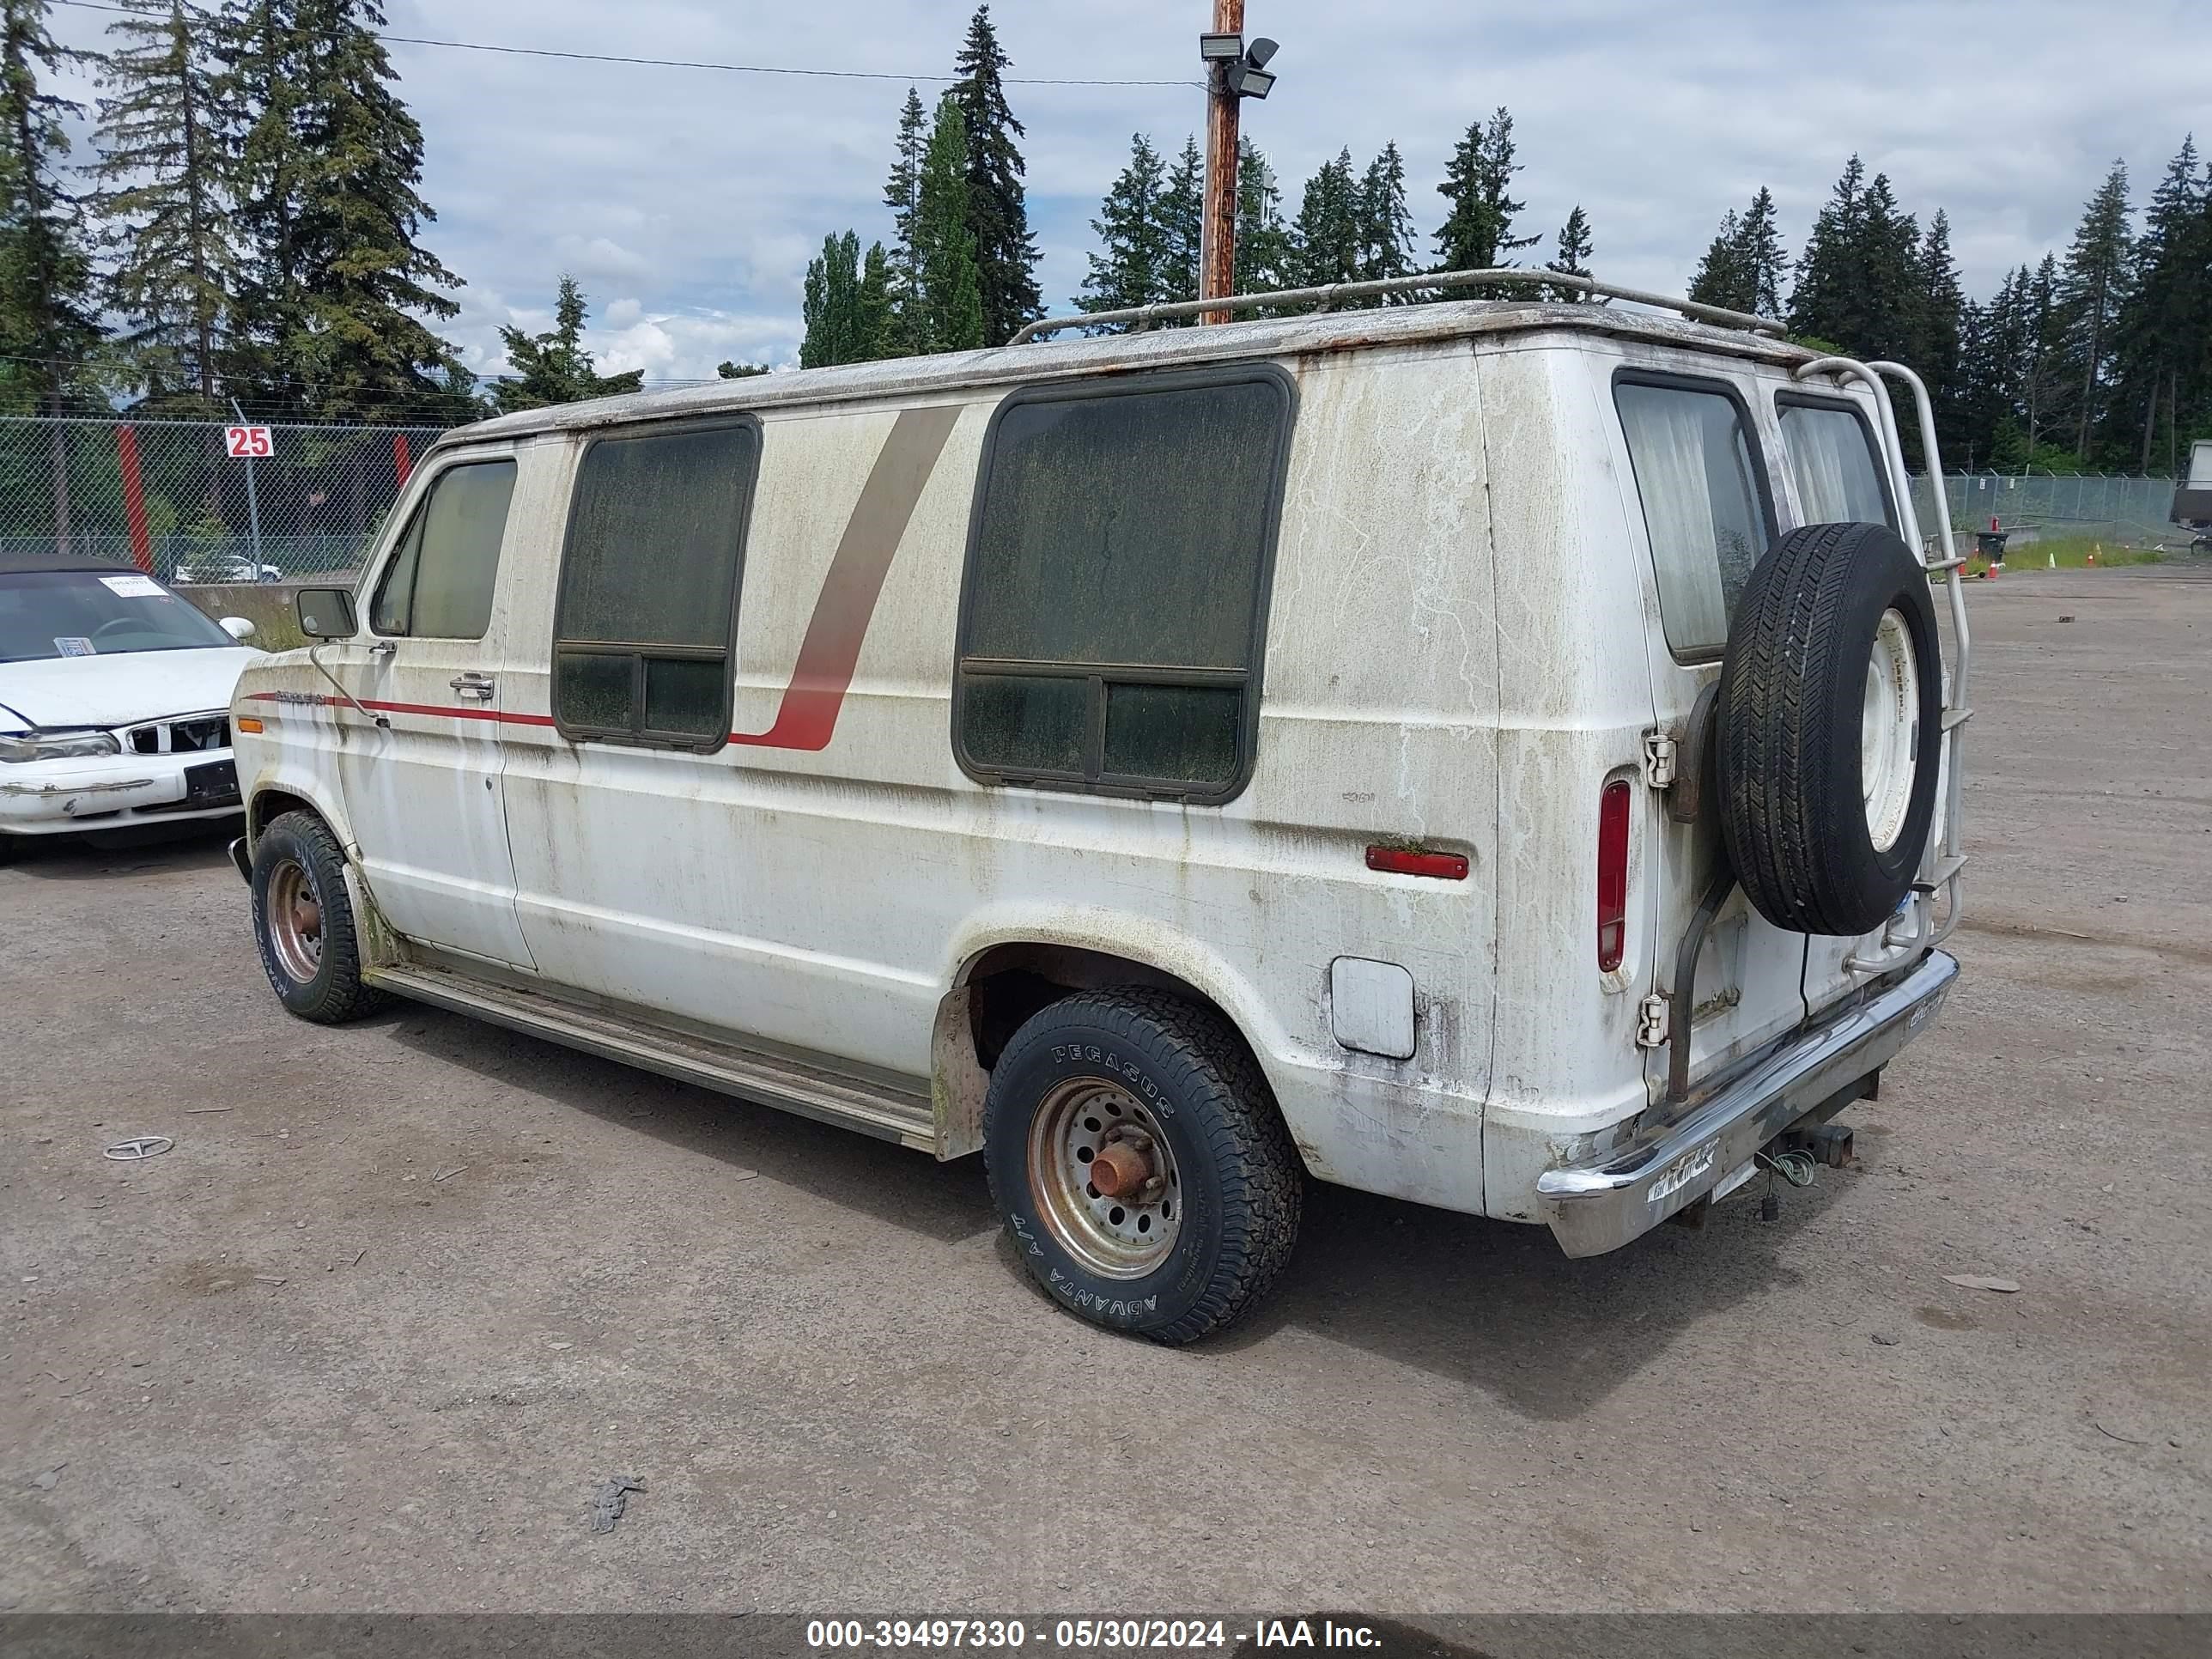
(222, 568)
(2192, 497)
(114, 700)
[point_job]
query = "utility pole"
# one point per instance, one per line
(1217, 259)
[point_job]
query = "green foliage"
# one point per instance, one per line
(164, 167)
(1134, 264)
(2093, 286)
(553, 367)
(902, 196)
(1383, 224)
(736, 371)
(998, 217)
(847, 308)
(2162, 385)
(49, 330)
(1325, 236)
(1182, 212)
(1742, 268)
(949, 306)
(1263, 257)
(1573, 256)
(1477, 235)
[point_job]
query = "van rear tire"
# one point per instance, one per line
(1829, 721)
(1200, 1212)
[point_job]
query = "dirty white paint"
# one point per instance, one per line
(1458, 655)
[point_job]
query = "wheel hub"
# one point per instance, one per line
(1103, 1178)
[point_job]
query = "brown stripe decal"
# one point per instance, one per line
(831, 651)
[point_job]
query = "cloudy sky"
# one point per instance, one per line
(687, 201)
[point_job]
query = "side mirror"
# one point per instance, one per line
(237, 627)
(327, 613)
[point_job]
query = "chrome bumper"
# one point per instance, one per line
(1601, 1205)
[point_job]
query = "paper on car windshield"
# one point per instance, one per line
(74, 645)
(132, 587)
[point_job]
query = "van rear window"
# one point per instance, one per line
(1832, 462)
(1116, 587)
(1704, 504)
(649, 585)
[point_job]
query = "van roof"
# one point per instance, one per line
(1052, 360)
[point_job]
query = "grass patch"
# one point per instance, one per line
(2064, 553)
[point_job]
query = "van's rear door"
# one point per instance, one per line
(1695, 461)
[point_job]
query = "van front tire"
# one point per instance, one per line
(1138, 1160)
(303, 922)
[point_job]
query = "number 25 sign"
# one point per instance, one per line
(246, 443)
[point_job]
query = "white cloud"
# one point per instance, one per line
(698, 197)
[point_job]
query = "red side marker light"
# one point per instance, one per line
(1397, 861)
(1612, 874)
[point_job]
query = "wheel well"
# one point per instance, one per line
(272, 804)
(1009, 982)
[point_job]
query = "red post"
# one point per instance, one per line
(402, 462)
(134, 499)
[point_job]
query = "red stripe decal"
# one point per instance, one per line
(323, 700)
(807, 717)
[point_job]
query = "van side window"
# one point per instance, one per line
(1833, 461)
(1117, 584)
(648, 609)
(439, 584)
(1705, 504)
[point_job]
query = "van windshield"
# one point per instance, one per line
(95, 613)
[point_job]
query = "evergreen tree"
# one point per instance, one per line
(1325, 236)
(735, 371)
(1136, 252)
(1574, 253)
(2092, 287)
(49, 317)
(1182, 212)
(330, 311)
(2163, 345)
(949, 305)
(1385, 224)
(903, 195)
(1936, 321)
(1478, 232)
(163, 163)
(1824, 303)
(1857, 277)
(554, 367)
(848, 305)
(1263, 243)
(1721, 278)
(2043, 357)
(998, 217)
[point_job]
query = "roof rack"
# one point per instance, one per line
(1332, 295)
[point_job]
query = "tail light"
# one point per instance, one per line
(1612, 874)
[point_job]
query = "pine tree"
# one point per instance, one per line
(1574, 253)
(2092, 287)
(1133, 266)
(1721, 278)
(1857, 278)
(1478, 233)
(1824, 304)
(554, 367)
(729, 370)
(1182, 210)
(872, 308)
(1263, 243)
(949, 307)
(49, 316)
(1759, 250)
(2042, 378)
(1936, 320)
(1325, 236)
(2163, 335)
(330, 159)
(903, 195)
(164, 167)
(998, 217)
(1385, 224)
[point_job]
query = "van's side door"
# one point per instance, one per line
(423, 788)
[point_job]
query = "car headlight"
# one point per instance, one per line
(57, 745)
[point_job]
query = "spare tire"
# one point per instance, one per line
(1828, 723)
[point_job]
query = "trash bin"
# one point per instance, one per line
(1990, 545)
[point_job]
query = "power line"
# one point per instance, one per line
(698, 64)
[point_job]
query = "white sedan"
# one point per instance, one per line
(114, 700)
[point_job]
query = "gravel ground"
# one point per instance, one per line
(406, 1292)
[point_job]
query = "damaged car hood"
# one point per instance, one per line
(52, 692)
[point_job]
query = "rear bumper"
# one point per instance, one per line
(1601, 1205)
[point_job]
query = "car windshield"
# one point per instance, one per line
(96, 613)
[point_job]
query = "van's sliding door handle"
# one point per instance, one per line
(477, 686)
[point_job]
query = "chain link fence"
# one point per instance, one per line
(2130, 511)
(200, 500)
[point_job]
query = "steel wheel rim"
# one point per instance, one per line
(1889, 730)
(293, 918)
(1124, 1235)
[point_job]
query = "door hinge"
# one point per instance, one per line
(1660, 749)
(1651, 1022)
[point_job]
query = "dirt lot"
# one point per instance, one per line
(406, 1292)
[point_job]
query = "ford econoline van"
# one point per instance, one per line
(1499, 755)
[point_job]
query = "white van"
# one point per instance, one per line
(1484, 753)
